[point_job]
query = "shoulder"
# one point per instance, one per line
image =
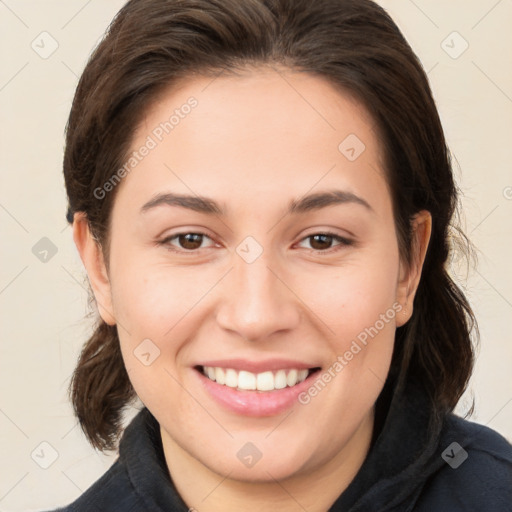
(474, 470)
(113, 491)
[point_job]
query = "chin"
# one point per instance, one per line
(264, 471)
(259, 462)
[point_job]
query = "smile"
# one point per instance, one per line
(248, 381)
(252, 387)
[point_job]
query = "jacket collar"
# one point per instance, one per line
(402, 456)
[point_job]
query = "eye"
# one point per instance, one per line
(322, 242)
(188, 242)
(191, 242)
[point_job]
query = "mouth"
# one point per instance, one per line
(249, 387)
(266, 381)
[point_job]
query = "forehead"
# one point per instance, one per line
(263, 131)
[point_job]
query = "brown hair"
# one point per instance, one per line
(356, 46)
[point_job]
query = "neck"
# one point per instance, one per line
(314, 489)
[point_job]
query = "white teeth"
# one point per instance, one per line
(231, 378)
(280, 379)
(265, 381)
(291, 378)
(210, 372)
(220, 376)
(246, 380)
(302, 375)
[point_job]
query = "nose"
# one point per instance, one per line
(257, 300)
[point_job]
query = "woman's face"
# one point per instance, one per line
(257, 295)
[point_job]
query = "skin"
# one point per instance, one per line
(253, 143)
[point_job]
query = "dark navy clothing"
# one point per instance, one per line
(455, 466)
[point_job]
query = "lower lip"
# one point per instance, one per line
(254, 403)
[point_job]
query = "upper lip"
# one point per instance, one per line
(258, 366)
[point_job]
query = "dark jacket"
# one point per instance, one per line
(457, 466)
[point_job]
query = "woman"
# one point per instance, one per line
(261, 194)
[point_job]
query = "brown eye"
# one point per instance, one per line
(323, 242)
(190, 241)
(185, 242)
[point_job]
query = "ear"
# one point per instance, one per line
(410, 272)
(92, 258)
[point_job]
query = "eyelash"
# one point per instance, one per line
(343, 242)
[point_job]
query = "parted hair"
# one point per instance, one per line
(355, 45)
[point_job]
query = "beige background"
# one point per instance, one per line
(44, 304)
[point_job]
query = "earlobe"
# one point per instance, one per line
(92, 258)
(410, 272)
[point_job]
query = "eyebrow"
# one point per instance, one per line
(308, 203)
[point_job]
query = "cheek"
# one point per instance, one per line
(158, 309)
(359, 309)
(150, 299)
(355, 296)
(152, 308)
